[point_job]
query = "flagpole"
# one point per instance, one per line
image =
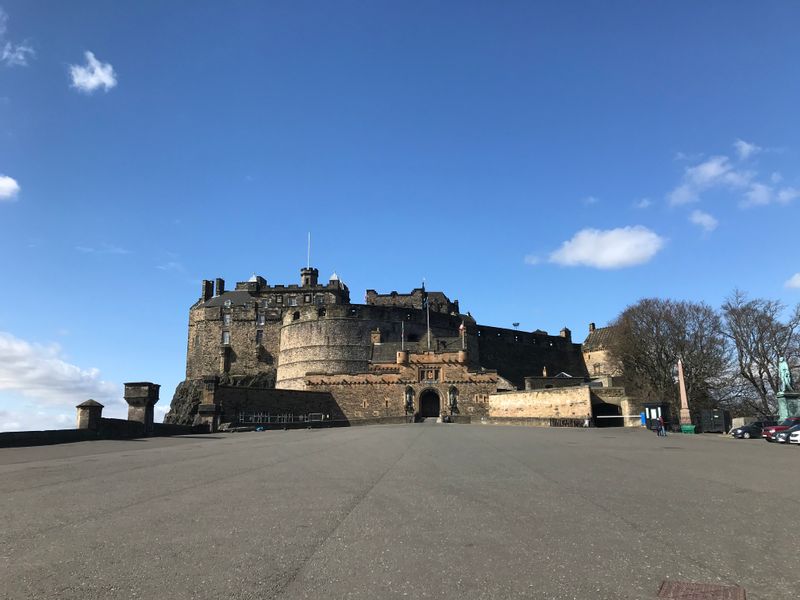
(428, 318)
(402, 335)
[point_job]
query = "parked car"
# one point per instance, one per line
(782, 437)
(795, 438)
(769, 433)
(751, 430)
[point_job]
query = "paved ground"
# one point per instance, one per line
(415, 511)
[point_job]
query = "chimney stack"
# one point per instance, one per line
(207, 290)
(220, 286)
(591, 327)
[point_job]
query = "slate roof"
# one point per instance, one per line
(598, 339)
(237, 298)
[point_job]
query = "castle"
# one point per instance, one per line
(306, 348)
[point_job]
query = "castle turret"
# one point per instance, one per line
(309, 277)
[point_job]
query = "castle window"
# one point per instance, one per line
(259, 337)
(479, 333)
(321, 312)
(264, 303)
(307, 298)
(226, 319)
(279, 299)
(296, 315)
(226, 338)
(261, 319)
(228, 303)
(319, 300)
(292, 301)
(353, 312)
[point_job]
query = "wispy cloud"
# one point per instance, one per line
(532, 259)
(102, 249)
(172, 265)
(609, 249)
(9, 188)
(93, 75)
(41, 373)
(760, 194)
(12, 54)
(745, 149)
(793, 281)
(703, 220)
(715, 172)
(590, 200)
(643, 203)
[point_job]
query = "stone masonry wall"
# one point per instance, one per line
(381, 392)
(561, 403)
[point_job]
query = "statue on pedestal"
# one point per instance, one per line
(785, 376)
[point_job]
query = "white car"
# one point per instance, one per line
(795, 437)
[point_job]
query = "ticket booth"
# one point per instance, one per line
(653, 410)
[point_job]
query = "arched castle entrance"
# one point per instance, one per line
(429, 404)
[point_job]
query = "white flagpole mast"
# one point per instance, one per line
(427, 313)
(308, 260)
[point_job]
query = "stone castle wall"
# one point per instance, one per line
(560, 403)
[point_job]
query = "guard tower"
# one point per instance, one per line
(309, 277)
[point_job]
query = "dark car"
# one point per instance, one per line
(782, 437)
(751, 430)
(768, 433)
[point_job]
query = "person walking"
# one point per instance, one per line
(662, 430)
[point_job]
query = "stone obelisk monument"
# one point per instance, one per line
(686, 416)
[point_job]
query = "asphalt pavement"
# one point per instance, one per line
(401, 511)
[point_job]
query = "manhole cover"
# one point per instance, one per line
(700, 591)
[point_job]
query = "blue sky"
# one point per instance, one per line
(544, 163)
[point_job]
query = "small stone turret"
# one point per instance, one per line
(141, 398)
(309, 277)
(89, 414)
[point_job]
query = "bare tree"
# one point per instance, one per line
(650, 337)
(760, 338)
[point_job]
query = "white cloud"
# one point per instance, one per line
(92, 76)
(16, 55)
(759, 194)
(788, 194)
(793, 281)
(11, 54)
(704, 220)
(39, 372)
(776, 177)
(745, 149)
(102, 249)
(172, 265)
(589, 200)
(609, 249)
(532, 259)
(716, 172)
(643, 203)
(9, 188)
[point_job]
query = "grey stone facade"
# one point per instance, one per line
(287, 335)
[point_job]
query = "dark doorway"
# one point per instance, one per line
(607, 415)
(429, 404)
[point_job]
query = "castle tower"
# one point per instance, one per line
(309, 277)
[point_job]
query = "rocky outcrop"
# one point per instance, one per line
(188, 394)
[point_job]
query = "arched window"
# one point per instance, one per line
(296, 315)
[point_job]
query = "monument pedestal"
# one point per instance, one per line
(788, 404)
